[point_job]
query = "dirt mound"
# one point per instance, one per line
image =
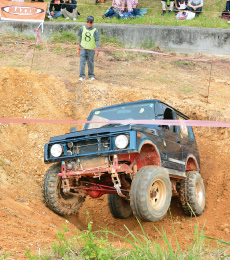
(25, 221)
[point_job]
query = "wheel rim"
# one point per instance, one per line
(200, 194)
(157, 194)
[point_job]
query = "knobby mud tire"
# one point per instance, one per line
(119, 207)
(192, 194)
(54, 198)
(151, 193)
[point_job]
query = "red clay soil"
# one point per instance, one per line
(54, 93)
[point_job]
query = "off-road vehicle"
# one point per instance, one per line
(138, 166)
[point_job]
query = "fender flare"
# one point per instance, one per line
(149, 141)
(193, 158)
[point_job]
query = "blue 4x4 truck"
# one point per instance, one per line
(138, 166)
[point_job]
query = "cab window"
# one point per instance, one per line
(186, 131)
(165, 113)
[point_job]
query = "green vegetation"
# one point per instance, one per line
(209, 18)
(186, 89)
(96, 245)
(111, 41)
(183, 63)
(4, 256)
(64, 36)
(30, 37)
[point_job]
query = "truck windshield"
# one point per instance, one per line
(142, 111)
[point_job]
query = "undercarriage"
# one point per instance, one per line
(110, 178)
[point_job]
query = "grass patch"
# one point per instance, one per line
(149, 45)
(30, 37)
(64, 36)
(4, 256)
(186, 89)
(111, 41)
(96, 245)
(210, 16)
(184, 63)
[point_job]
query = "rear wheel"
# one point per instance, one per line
(55, 198)
(151, 193)
(192, 194)
(119, 207)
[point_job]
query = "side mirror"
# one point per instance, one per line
(159, 116)
(73, 129)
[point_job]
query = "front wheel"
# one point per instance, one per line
(119, 207)
(192, 194)
(55, 198)
(151, 193)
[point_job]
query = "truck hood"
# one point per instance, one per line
(102, 130)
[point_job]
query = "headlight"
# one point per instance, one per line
(56, 150)
(121, 141)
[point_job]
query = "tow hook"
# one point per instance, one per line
(115, 177)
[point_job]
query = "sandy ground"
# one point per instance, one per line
(50, 90)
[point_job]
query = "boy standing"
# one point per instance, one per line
(88, 41)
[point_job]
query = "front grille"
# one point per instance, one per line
(91, 146)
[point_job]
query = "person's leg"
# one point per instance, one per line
(83, 57)
(70, 15)
(171, 6)
(190, 9)
(64, 12)
(228, 5)
(91, 54)
(164, 6)
(122, 5)
(57, 14)
(75, 14)
(176, 10)
(110, 12)
(129, 5)
(198, 11)
(48, 12)
(136, 11)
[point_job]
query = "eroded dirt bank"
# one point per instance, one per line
(54, 93)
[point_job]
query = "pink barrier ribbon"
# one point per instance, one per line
(199, 123)
(38, 39)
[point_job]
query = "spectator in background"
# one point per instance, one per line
(195, 6)
(88, 41)
(69, 9)
(167, 5)
(120, 4)
(99, 1)
(131, 4)
(111, 12)
(37, 0)
(180, 5)
(56, 5)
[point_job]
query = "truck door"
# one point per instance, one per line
(172, 150)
